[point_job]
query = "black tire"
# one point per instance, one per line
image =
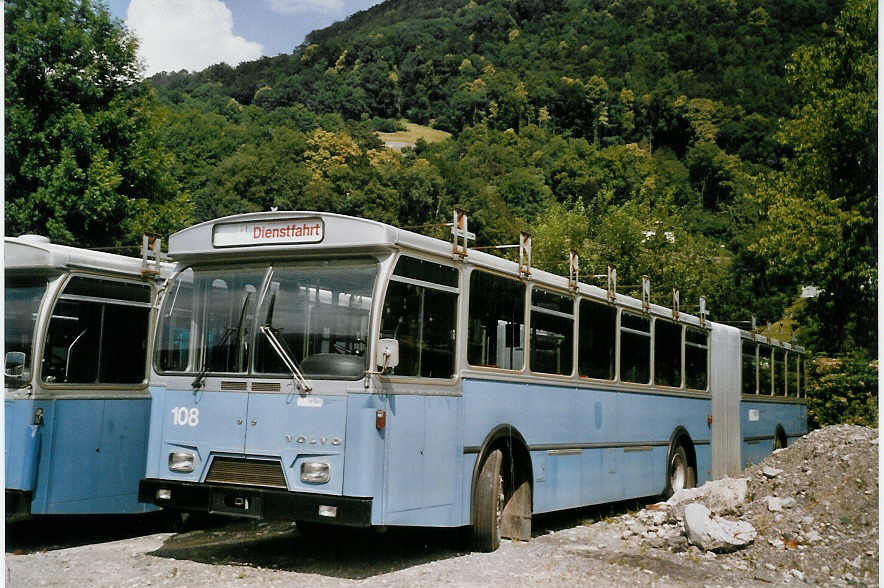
(779, 440)
(488, 504)
(679, 472)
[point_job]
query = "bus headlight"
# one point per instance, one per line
(315, 472)
(181, 462)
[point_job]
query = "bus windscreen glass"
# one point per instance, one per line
(22, 299)
(319, 311)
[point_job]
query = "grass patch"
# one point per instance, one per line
(412, 133)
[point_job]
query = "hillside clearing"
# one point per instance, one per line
(408, 138)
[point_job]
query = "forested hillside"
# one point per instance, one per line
(724, 148)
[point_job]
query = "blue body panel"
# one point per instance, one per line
(423, 452)
(86, 458)
(607, 421)
(758, 433)
(587, 445)
(253, 425)
(22, 445)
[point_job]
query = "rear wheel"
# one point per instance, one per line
(488, 504)
(679, 472)
(779, 440)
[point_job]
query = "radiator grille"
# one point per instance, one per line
(246, 472)
(228, 385)
(266, 387)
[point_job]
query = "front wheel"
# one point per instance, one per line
(488, 504)
(679, 473)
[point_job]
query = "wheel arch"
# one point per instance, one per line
(517, 450)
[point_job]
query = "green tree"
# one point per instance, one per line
(81, 154)
(821, 223)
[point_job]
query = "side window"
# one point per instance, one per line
(749, 362)
(98, 333)
(496, 334)
(597, 340)
(802, 375)
(667, 354)
(173, 348)
(696, 359)
(764, 358)
(552, 332)
(635, 348)
(791, 374)
(420, 311)
(779, 371)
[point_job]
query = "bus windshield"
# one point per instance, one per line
(22, 300)
(222, 320)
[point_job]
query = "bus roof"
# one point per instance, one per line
(283, 233)
(37, 253)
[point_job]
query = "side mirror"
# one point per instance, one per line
(387, 354)
(15, 363)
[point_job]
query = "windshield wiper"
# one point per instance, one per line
(281, 349)
(201, 376)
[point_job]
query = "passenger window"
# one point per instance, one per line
(496, 334)
(779, 372)
(597, 340)
(696, 359)
(552, 333)
(667, 354)
(764, 385)
(635, 348)
(420, 311)
(791, 374)
(93, 339)
(749, 361)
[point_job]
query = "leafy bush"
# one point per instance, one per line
(843, 390)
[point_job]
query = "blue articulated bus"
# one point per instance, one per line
(328, 369)
(77, 407)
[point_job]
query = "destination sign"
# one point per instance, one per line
(275, 232)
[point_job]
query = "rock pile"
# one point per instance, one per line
(808, 513)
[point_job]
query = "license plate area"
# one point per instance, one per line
(237, 502)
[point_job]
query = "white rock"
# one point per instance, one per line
(715, 534)
(653, 517)
(770, 472)
(812, 536)
(720, 496)
(776, 504)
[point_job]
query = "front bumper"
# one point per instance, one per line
(257, 503)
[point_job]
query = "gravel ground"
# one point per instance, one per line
(828, 537)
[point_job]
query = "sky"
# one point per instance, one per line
(194, 34)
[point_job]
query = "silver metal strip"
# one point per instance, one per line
(579, 447)
(564, 452)
(635, 332)
(117, 301)
(423, 284)
(557, 313)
